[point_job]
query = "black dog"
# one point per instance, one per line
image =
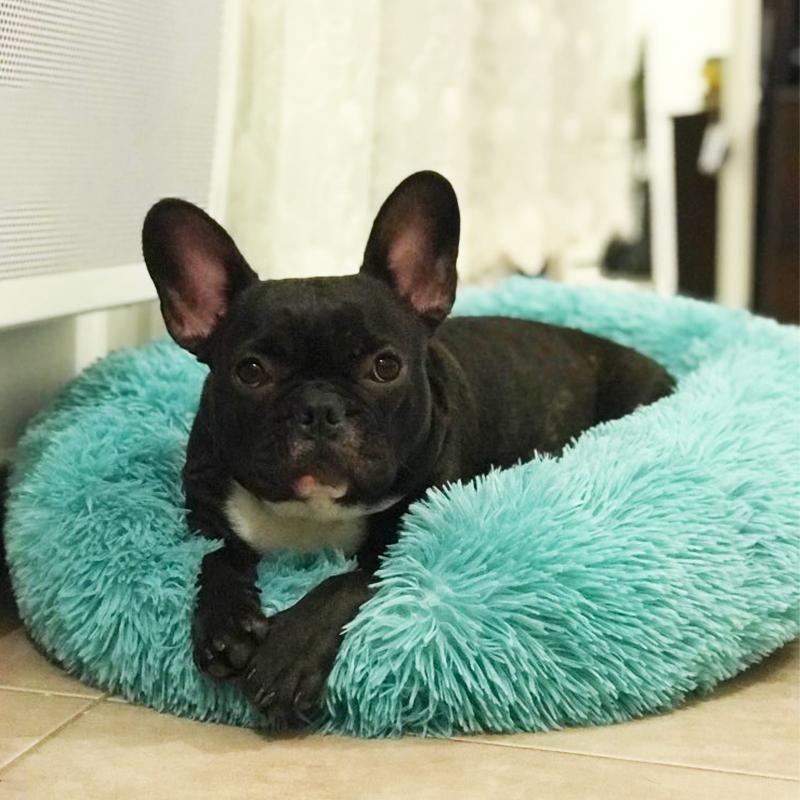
(333, 403)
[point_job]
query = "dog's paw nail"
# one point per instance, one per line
(266, 699)
(302, 707)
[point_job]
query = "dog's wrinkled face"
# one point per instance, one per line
(318, 390)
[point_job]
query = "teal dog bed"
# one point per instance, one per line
(657, 557)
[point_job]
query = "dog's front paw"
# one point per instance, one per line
(288, 672)
(226, 634)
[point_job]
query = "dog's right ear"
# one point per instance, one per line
(196, 267)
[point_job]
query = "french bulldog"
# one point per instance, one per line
(334, 403)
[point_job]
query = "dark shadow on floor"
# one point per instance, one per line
(9, 617)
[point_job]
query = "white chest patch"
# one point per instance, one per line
(294, 525)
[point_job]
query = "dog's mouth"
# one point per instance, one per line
(320, 488)
(321, 479)
(322, 494)
(325, 496)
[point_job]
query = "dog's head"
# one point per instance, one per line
(318, 388)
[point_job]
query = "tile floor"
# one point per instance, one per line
(59, 739)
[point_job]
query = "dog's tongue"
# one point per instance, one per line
(308, 487)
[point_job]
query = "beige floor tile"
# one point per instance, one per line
(22, 667)
(750, 724)
(119, 751)
(26, 717)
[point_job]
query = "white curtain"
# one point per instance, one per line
(522, 104)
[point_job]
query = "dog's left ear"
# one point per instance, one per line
(413, 244)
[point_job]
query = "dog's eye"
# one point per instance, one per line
(385, 368)
(251, 372)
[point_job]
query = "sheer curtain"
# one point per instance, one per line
(523, 104)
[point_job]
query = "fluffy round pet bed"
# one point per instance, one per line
(655, 558)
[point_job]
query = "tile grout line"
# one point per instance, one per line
(629, 759)
(49, 692)
(105, 697)
(92, 702)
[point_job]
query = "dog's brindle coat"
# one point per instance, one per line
(333, 403)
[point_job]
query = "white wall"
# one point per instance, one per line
(741, 97)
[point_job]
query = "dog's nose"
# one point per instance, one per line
(321, 413)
